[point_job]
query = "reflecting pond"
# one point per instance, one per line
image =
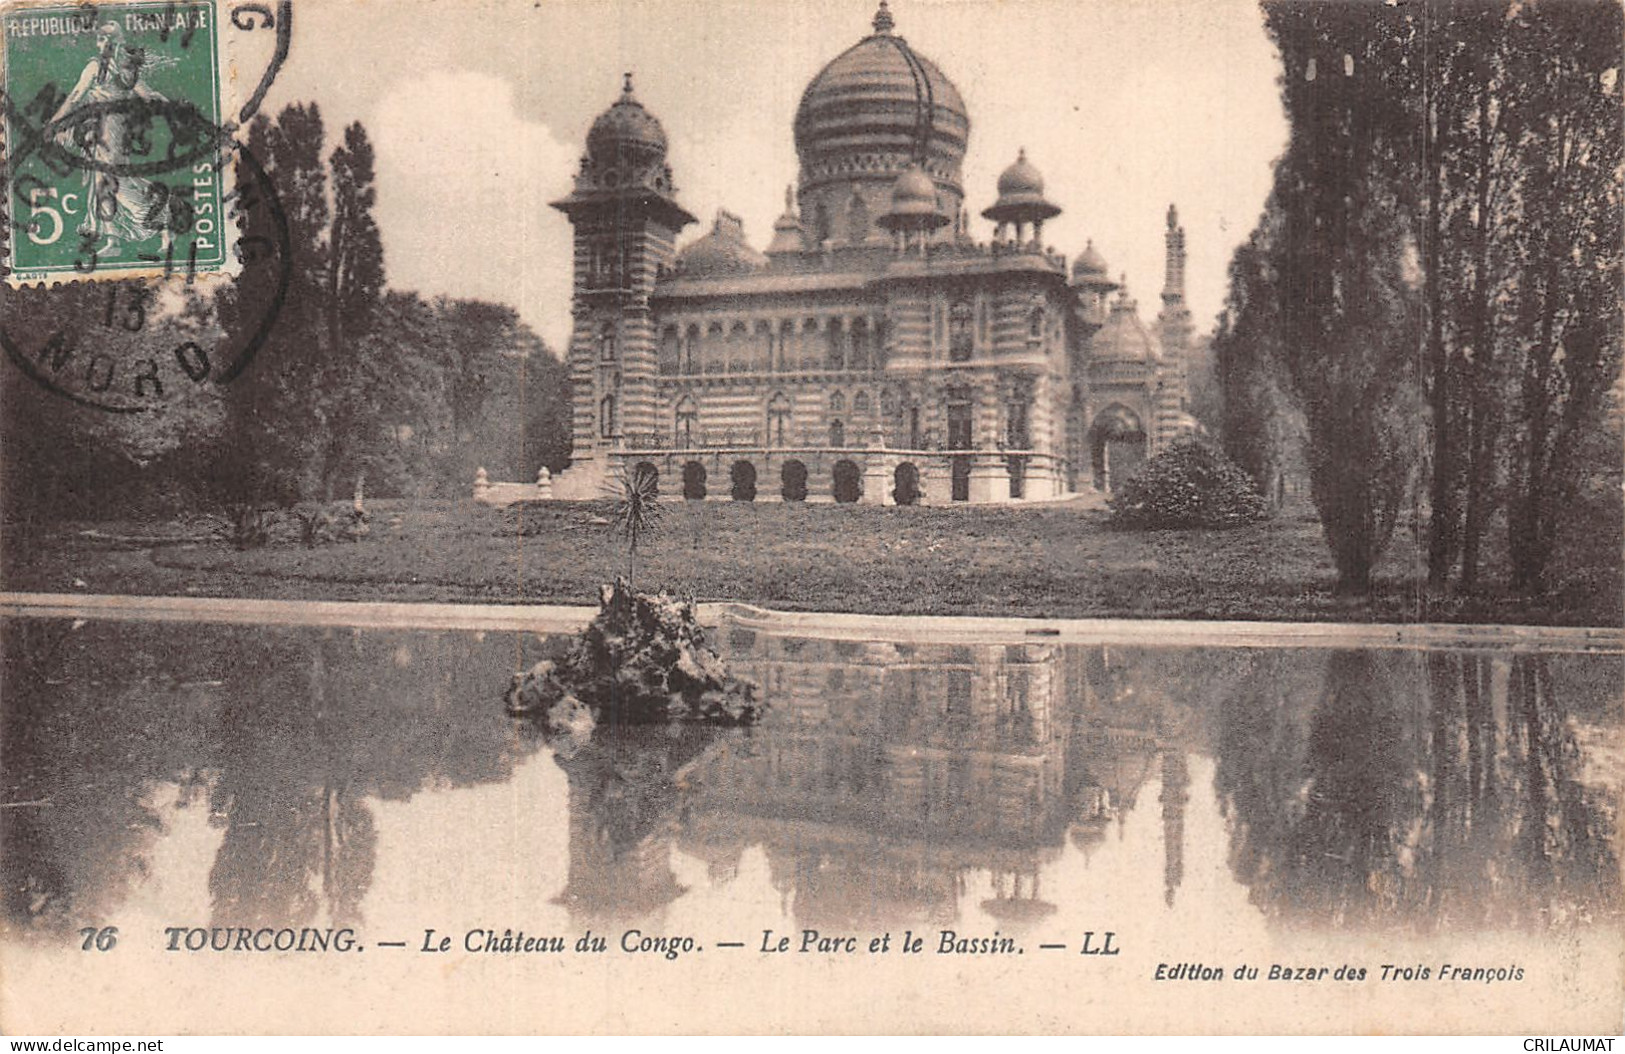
(198, 775)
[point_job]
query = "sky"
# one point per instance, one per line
(479, 111)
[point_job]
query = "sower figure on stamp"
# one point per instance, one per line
(119, 208)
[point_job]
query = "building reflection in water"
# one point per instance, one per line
(891, 783)
(885, 775)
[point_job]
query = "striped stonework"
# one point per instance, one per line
(854, 361)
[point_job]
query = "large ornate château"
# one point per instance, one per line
(876, 351)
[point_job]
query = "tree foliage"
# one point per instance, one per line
(1343, 245)
(1253, 413)
(353, 381)
(1435, 281)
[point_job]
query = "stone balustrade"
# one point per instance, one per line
(488, 493)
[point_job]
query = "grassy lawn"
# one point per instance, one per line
(1044, 560)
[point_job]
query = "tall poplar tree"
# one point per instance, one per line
(1340, 229)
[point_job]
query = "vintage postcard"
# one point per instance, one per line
(904, 516)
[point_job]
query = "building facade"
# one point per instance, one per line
(875, 351)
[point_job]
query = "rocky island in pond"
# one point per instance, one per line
(643, 659)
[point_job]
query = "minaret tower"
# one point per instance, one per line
(626, 219)
(1174, 323)
(1175, 793)
(1174, 334)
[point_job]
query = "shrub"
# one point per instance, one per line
(244, 526)
(315, 527)
(358, 524)
(1189, 485)
(525, 518)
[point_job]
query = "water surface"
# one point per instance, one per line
(1211, 804)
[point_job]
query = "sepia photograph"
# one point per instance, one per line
(1032, 517)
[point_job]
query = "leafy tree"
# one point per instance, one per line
(1340, 231)
(351, 381)
(1440, 256)
(547, 409)
(354, 275)
(1245, 348)
(63, 459)
(278, 407)
(1567, 252)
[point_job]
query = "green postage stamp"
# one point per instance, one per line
(114, 153)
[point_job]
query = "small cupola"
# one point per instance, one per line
(1021, 200)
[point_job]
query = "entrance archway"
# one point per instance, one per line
(906, 484)
(793, 481)
(693, 481)
(961, 479)
(848, 481)
(1117, 445)
(743, 478)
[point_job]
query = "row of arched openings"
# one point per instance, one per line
(810, 344)
(846, 481)
(686, 416)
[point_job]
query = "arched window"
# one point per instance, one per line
(715, 349)
(1035, 323)
(762, 356)
(620, 264)
(837, 345)
(670, 350)
(860, 403)
(961, 337)
(960, 419)
(837, 403)
(860, 356)
(691, 349)
(606, 417)
(778, 419)
(837, 433)
(606, 342)
(738, 347)
(857, 219)
(597, 265)
(743, 481)
(694, 481)
(1016, 433)
(809, 344)
(607, 264)
(906, 480)
(848, 481)
(647, 478)
(793, 481)
(787, 347)
(687, 416)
